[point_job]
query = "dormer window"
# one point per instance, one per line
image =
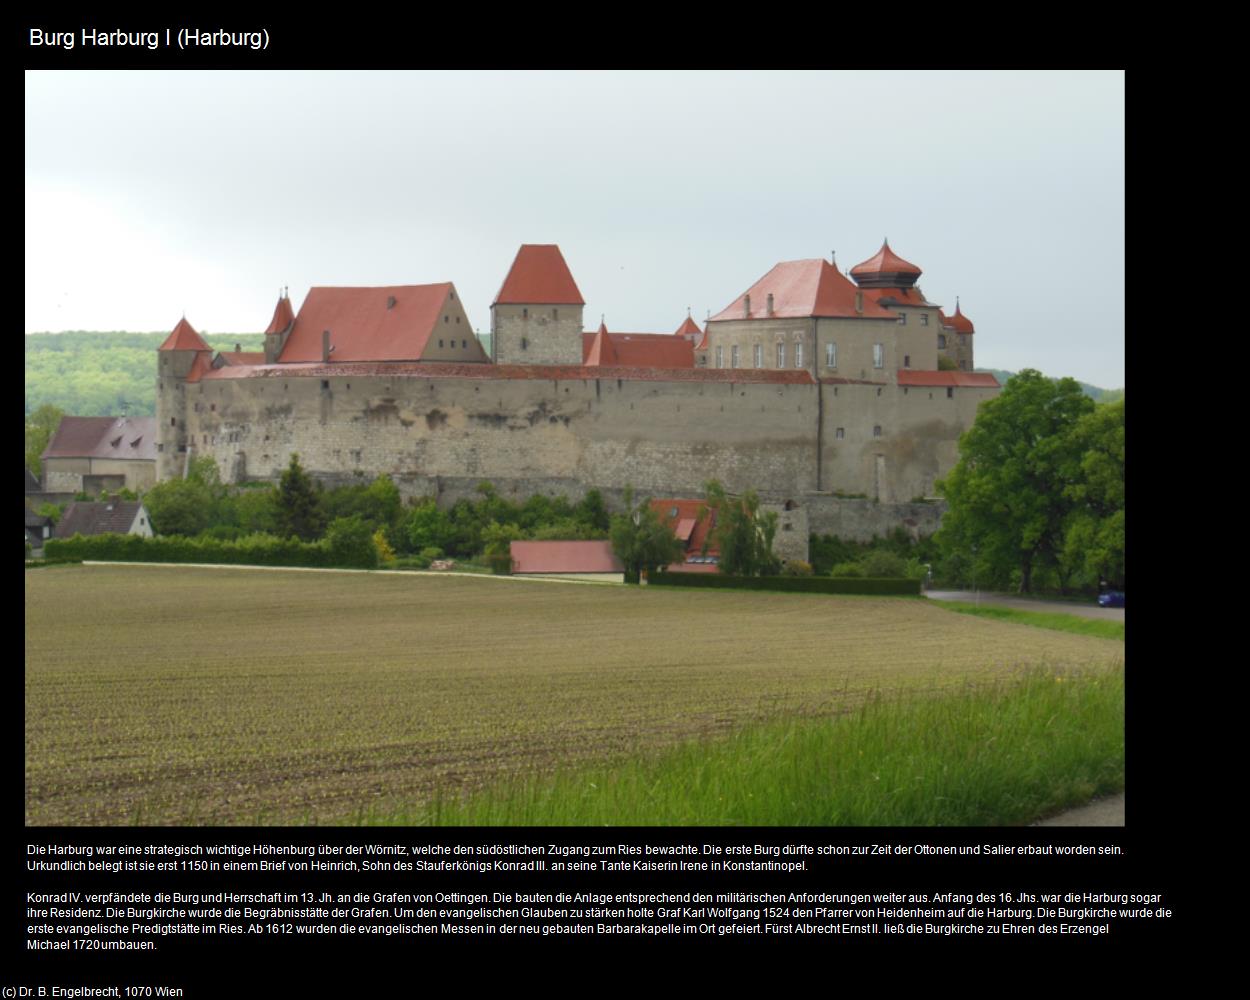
(902, 319)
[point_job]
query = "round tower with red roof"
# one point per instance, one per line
(536, 319)
(183, 355)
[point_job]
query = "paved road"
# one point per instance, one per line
(1103, 812)
(1085, 610)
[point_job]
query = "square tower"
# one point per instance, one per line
(536, 319)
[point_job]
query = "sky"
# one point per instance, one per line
(152, 194)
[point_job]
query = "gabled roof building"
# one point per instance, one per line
(98, 454)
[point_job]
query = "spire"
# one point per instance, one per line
(539, 275)
(283, 316)
(184, 338)
(961, 322)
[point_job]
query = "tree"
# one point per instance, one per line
(180, 507)
(1008, 496)
(642, 541)
(744, 534)
(428, 527)
(499, 539)
(299, 506)
(40, 426)
(1094, 535)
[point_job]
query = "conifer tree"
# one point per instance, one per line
(299, 506)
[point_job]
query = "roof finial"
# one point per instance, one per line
(687, 312)
(956, 303)
(833, 257)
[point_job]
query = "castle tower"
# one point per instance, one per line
(279, 328)
(183, 351)
(961, 331)
(536, 319)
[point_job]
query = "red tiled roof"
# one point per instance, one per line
(901, 296)
(692, 519)
(97, 518)
(641, 350)
(184, 338)
(803, 288)
(363, 327)
(104, 437)
(434, 369)
(601, 350)
(201, 366)
(960, 322)
(975, 380)
(283, 316)
(688, 329)
(565, 557)
(539, 275)
(885, 261)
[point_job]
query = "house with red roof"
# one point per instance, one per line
(588, 560)
(867, 327)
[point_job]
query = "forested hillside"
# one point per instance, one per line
(1092, 391)
(90, 374)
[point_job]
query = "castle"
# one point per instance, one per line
(824, 393)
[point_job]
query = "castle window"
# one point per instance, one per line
(924, 319)
(733, 356)
(555, 313)
(464, 343)
(878, 355)
(524, 343)
(798, 355)
(213, 407)
(950, 392)
(831, 355)
(759, 356)
(840, 433)
(446, 319)
(781, 355)
(173, 422)
(941, 341)
(902, 319)
(457, 319)
(525, 314)
(876, 431)
(440, 343)
(325, 383)
(906, 360)
(160, 447)
(720, 357)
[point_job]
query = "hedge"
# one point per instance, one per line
(254, 550)
(805, 584)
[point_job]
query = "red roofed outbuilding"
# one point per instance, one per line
(593, 559)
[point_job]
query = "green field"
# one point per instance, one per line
(170, 695)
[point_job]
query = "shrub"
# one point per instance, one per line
(796, 567)
(351, 543)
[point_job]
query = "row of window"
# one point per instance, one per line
(902, 319)
(831, 356)
(463, 343)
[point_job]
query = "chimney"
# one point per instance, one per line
(770, 304)
(746, 307)
(859, 302)
(238, 348)
(390, 302)
(325, 345)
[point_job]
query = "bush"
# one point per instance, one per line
(847, 570)
(251, 550)
(796, 567)
(351, 543)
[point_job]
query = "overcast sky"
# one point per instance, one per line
(153, 193)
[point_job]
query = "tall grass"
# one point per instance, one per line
(1005, 754)
(1103, 628)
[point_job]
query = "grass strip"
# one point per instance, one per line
(998, 755)
(1101, 628)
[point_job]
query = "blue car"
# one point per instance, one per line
(1111, 599)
